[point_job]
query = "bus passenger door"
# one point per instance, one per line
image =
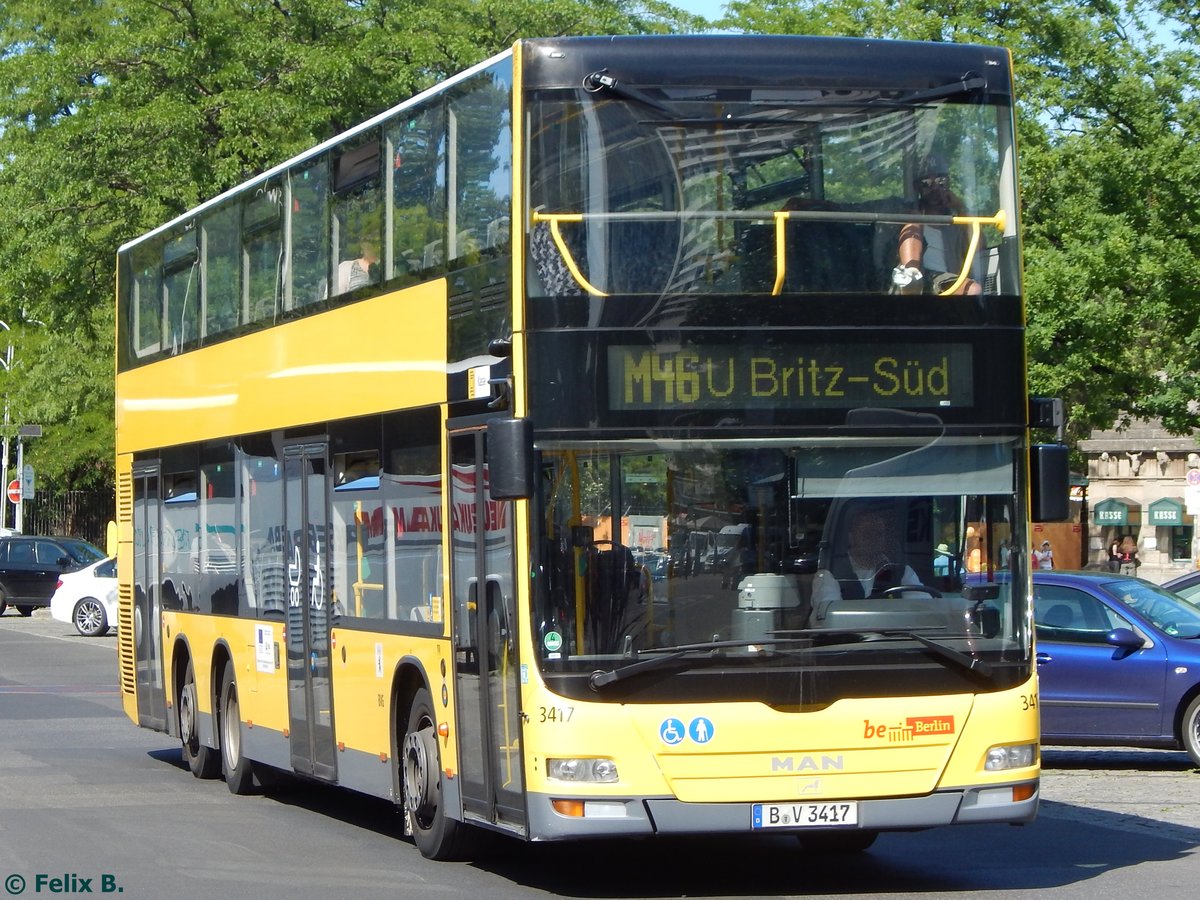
(485, 665)
(306, 545)
(147, 608)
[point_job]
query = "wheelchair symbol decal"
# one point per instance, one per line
(672, 732)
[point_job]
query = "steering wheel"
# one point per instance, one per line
(898, 589)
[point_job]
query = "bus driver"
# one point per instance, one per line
(866, 568)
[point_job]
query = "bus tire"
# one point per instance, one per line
(436, 835)
(204, 762)
(837, 841)
(238, 771)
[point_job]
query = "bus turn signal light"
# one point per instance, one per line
(573, 808)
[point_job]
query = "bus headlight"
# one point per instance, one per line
(1018, 756)
(592, 770)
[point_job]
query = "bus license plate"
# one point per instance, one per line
(805, 815)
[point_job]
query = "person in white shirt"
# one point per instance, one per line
(870, 565)
(360, 271)
(1043, 558)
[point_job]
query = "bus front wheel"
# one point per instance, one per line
(436, 835)
(203, 761)
(239, 774)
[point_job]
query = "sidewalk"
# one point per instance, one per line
(1142, 790)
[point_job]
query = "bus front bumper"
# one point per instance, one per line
(615, 817)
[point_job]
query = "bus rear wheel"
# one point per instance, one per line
(239, 774)
(203, 761)
(436, 835)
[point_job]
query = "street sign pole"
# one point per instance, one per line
(26, 479)
(19, 523)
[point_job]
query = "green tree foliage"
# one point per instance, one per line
(1109, 97)
(117, 115)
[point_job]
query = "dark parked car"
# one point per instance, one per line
(30, 566)
(1118, 662)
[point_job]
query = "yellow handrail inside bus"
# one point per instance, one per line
(554, 219)
(975, 222)
(360, 585)
(781, 218)
(577, 555)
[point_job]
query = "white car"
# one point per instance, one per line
(88, 598)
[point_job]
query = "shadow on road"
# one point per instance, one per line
(1066, 846)
(1116, 759)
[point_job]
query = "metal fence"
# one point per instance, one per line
(82, 514)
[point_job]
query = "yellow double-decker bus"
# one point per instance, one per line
(626, 436)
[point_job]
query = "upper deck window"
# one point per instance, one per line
(665, 191)
(424, 193)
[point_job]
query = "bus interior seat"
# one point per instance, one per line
(822, 257)
(642, 256)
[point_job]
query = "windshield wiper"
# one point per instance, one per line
(942, 651)
(659, 658)
(948, 654)
(602, 81)
(969, 83)
(667, 657)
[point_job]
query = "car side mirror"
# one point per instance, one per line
(1125, 638)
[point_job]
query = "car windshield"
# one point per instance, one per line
(1162, 608)
(1186, 588)
(82, 552)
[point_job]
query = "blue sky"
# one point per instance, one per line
(710, 9)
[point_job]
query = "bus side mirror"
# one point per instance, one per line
(1049, 483)
(510, 451)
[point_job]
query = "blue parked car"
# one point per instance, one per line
(1118, 662)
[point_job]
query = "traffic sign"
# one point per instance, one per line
(14, 491)
(27, 489)
(1193, 476)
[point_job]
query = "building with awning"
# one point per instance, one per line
(1167, 512)
(1139, 477)
(1118, 512)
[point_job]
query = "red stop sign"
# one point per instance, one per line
(14, 491)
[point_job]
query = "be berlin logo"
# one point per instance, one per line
(67, 883)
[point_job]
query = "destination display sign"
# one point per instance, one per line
(701, 377)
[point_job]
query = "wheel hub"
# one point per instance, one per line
(187, 712)
(88, 617)
(420, 774)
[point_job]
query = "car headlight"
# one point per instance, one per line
(1017, 756)
(589, 770)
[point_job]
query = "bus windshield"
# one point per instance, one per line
(743, 556)
(780, 190)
